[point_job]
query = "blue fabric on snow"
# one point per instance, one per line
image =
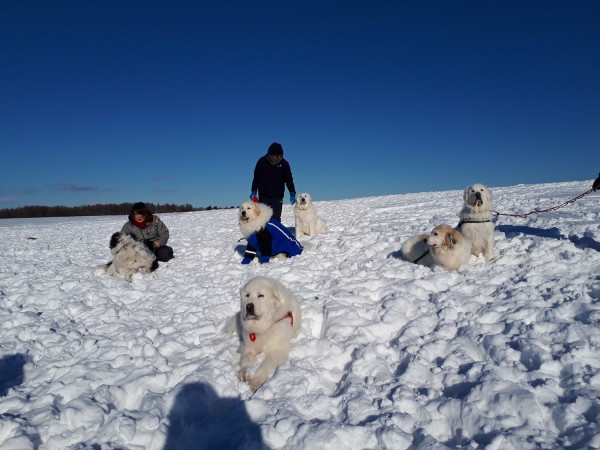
(274, 238)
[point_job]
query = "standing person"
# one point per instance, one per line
(271, 175)
(596, 185)
(146, 227)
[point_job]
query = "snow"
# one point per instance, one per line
(390, 354)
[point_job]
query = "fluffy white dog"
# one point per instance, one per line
(253, 216)
(476, 223)
(445, 247)
(129, 256)
(266, 236)
(416, 250)
(270, 318)
(307, 222)
(449, 248)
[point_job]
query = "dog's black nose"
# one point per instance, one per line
(243, 213)
(250, 309)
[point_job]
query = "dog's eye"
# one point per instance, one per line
(247, 295)
(260, 295)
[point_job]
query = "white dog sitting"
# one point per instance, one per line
(270, 318)
(265, 235)
(307, 222)
(476, 223)
(130, 256)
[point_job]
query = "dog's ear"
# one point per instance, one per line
(488, 194)
(451, 239)
(114, 239)
(466, 193)
(277, 294)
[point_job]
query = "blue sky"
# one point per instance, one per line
(173, 102)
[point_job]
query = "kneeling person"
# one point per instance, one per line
(147, 227)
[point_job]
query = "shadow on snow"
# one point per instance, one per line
(199, 419)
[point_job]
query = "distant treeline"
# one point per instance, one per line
(95, 210)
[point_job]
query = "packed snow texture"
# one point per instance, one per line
(502, 355)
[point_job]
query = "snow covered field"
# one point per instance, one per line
(390, 354)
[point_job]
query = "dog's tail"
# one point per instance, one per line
(233, 325)
(104, 266)
(413, 250)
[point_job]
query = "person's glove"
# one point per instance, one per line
(254, 196)
(264, 259)
(596, 184)
(292, 197)
(246, 261)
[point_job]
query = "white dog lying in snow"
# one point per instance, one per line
(269, 320)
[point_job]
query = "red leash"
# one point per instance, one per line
(553, 208)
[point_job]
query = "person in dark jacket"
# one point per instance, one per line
(271, 175)
(144, 226)
(596, 185)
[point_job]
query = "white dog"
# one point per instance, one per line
(266, 236)
(307, 221)
(416, 250)
(130, 256)
(270, 318)
(449, 248)
(253, 216)
(476, 220)
(445, 247)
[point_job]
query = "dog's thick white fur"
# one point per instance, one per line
(253, 216)
(445, 247)
(270, 318)
(476, 223)
(129, 256)
(307, 222)
(449, 248)
(416, 250)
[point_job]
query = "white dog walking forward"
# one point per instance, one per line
(270, 318)
(307, 222)
(476, 223)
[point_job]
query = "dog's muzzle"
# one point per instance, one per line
(250, 312)
(478, 200)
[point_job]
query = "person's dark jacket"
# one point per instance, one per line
(271, 180)
(596, 185)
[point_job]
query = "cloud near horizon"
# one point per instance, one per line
(80, 188)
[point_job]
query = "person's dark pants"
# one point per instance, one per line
(163, 253)
(276, 205)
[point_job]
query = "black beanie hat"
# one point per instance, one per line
(139, 207)
(275, 149)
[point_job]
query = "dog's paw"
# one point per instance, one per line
(255, 384)
(243, 376)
